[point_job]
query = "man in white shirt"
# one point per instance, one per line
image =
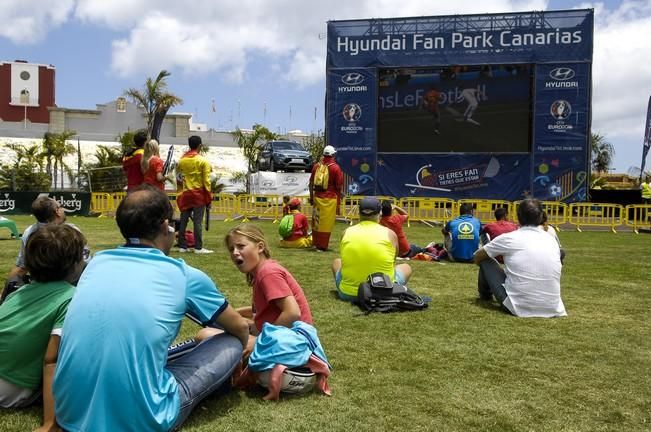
(530, 283)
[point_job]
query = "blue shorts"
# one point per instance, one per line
(399, 278)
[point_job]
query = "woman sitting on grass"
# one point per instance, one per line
(300, 236)
(32, 318)
(277, 297)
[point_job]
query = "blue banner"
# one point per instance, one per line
(561, 152)
(351, 125)
(647, 138)
(532, 37)
(486, 176)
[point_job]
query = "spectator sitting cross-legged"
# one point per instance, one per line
(32, 318)
(395, 222)
(461, 235)
(113, 372)
(501, 226)
(530, 283)
(367, 248)
(300, 237)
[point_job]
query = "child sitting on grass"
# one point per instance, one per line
(300, 236)
(277, 297)
(32, 318)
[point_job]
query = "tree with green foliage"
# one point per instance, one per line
(602, 153)
(314, 144)
(250, 143)
(55, 148)
(106, 174)
(26, 173)
(156, 101)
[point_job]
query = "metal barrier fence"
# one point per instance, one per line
(595, 214)
(426, 210)
(638, 216)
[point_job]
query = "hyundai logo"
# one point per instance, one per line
(352, 78)
(268, 183)
(562, 74)
(291, 179)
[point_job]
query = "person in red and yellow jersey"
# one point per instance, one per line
(194, 173)
(131, 161)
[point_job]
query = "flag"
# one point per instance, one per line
(314, 113)
(214, 108)
(647, 138)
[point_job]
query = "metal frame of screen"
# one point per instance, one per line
(447, 157)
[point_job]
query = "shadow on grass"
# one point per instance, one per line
(487, 304)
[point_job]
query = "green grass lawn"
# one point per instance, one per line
(457, 366)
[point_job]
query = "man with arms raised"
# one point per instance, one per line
(367, 248)
(113, 373)
(530, 283)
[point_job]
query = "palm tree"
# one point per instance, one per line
(156, 101)
(602, 153)
(249, 142)
(55, 148)
(26, 172)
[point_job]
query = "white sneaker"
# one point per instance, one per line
(182, 250)
(203, 251)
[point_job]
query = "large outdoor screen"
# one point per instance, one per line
(465, 109)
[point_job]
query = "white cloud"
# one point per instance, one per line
(28, 21)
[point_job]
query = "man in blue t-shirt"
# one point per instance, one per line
(462, 235)
(113, 371)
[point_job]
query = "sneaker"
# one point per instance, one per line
(182, 250)
(203, 251)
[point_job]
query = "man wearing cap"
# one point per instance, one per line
(300, 236)
(325, 200)
(367, 248)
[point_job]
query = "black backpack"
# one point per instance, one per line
(379, 294)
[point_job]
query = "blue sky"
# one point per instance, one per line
(248, 54)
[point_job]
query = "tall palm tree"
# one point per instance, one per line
(55, 148)
(156, 101)
(602, 153)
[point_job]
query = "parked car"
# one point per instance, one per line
(284, 155)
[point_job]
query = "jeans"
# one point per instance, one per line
(197, 220)
(205, 370)
(490, 281)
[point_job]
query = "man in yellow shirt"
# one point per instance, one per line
(367, 248)
(645, 189)
(194, 172)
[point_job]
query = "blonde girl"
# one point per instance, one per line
(152, 165)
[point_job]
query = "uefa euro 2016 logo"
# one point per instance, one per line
(352, 112)
(560, 109)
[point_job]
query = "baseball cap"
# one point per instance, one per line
(329, 150)
(369, 206)
(294, 203)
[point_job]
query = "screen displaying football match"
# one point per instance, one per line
(466, 109)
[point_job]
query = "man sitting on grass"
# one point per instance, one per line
(32, 318)
(461, 235)
(395, 222)
(46, 210)
(501, 226)
(530, 283)
(113, 372)
(367, 248)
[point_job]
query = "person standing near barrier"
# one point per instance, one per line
(194, 171)
(530, 283)
(325, 199)
(645, 190)
(131, 161)
(152, 165)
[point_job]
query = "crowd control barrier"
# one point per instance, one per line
(425, 210)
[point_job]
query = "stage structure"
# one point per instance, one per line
(493, 106)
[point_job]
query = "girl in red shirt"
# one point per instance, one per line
(152, 165)
(277, 297)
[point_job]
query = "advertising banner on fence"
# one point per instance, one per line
(276, 183)
(73, 203)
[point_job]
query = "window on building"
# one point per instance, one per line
(24, 97)
(121, 104)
